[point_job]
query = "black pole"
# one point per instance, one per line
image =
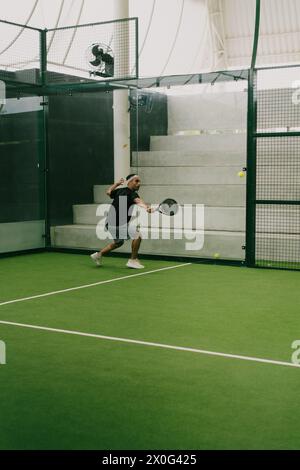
(251, 171)
(252, 149)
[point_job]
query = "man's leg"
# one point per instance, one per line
(136, 243)
(112, 246)
(134, 262)
(96, 257)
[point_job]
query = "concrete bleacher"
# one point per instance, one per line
(193, 169)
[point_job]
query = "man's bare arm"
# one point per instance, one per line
(114, 186)
(139, 202)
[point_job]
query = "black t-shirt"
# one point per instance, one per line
(121, 209)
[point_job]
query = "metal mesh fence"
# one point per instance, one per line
(278, 236)
(278, 178)
(19, 54)
(278, 169)
(103, 51)
(277, 110)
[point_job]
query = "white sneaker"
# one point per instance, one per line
(134, 264)
(96, 257)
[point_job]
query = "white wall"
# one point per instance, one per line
(17, 236)
(220, 111)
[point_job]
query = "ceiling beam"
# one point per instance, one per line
(215, 10)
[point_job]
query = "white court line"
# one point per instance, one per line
(92, 285)
(156, 345)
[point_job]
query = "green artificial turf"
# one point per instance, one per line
(293, 265)
(67, 392)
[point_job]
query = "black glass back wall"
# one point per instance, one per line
(80, 136)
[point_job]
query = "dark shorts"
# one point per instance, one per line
(118, 234)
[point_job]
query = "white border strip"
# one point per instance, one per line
(156, 345)
(47, 294)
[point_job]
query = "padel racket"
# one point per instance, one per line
(168, 207)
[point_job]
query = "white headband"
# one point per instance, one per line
(132, 178)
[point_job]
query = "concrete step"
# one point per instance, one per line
(226, 245)
(166, 158)
(278, 247)
(227, 143)
(278, 219)
(210, 195)
(270, 101)
(290, 192)
(172, 176)
(278, 175)
(17, 236)
(215, 218)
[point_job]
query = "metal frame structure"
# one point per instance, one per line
(253, 136)
(217, 30)
(44, 89)
(43, 86)
(251, 149)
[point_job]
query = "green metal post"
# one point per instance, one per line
(251, 149)
(251, 171)
(43, 81)
(137, 47)
(47, 173)
(43, 57)
(256, 35)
